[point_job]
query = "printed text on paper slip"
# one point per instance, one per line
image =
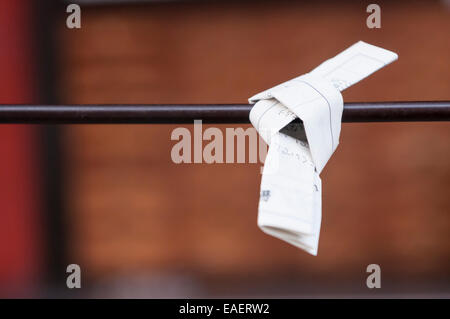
(300, 120)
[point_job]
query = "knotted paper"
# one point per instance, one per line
(300, 120)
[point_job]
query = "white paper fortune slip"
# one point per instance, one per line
(300, 120)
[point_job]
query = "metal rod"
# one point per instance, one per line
(209, 113)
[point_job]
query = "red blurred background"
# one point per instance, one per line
(21, 246)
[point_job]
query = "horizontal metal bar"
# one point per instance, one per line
(209, 113)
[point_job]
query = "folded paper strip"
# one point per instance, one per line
(300, 120)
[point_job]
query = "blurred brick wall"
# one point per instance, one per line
(386, 189)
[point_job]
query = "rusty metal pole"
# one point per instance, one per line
(209, 113)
